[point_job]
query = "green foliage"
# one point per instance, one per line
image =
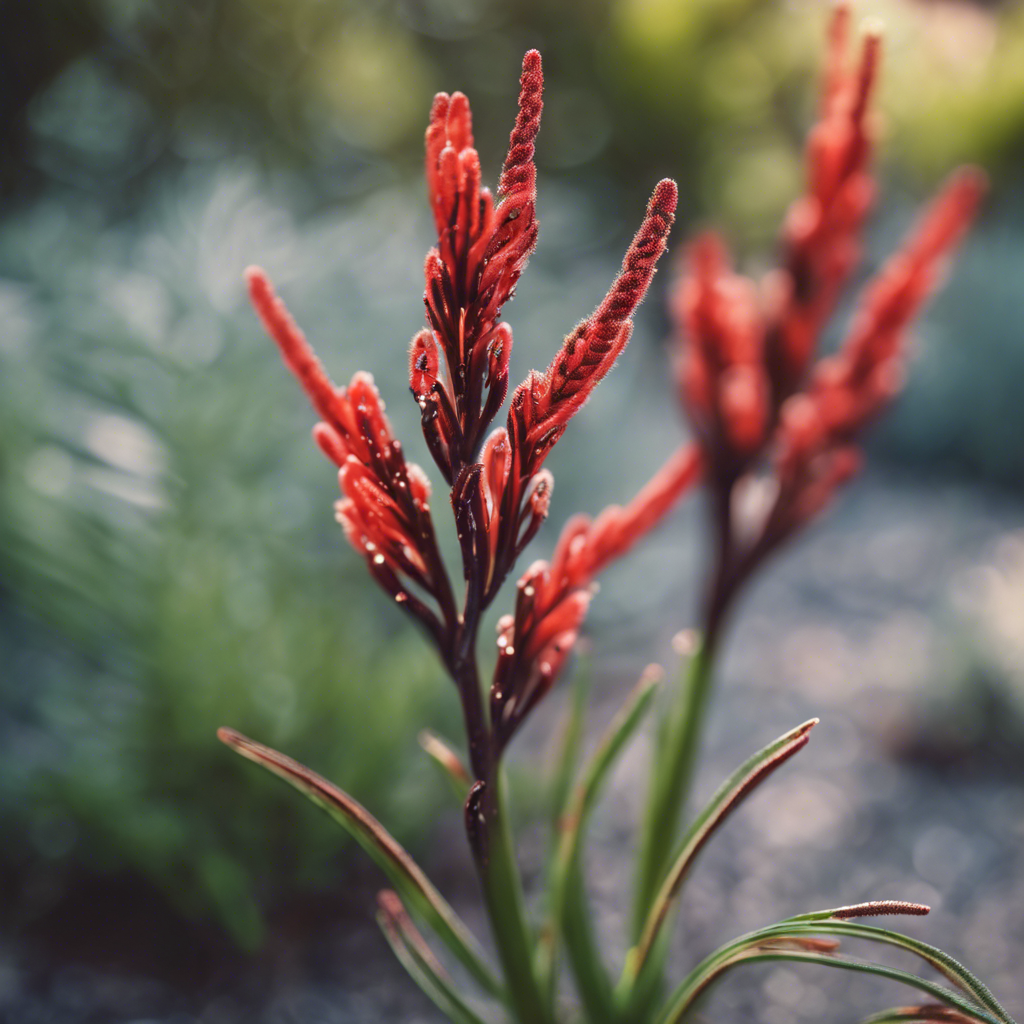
(169, 565)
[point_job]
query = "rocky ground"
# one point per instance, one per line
(898, 622)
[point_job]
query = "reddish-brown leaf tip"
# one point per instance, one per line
(231, 737)
(881, 908)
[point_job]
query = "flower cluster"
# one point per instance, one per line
(762, 412)
(459, 376)
(745, 373)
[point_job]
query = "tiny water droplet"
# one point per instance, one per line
(378, 559)
(529, 591)
(401, 598)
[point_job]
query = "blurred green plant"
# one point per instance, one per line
(158, 575)
(725, 84)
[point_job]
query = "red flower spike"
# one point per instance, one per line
(721, 375)
(895, 297)
(385, 512)
(816, 453)
(552, 599)
(822, 233)
(481, 251)
(297, 353)
(850, 388)
(617, 529)
(544, 404)
(756, 403)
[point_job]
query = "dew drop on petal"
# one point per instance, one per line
(378, 559)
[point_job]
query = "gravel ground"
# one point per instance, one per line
(898, 621)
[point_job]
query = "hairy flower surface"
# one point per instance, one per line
(481, 251)
(459, 375)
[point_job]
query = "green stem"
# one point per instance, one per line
(503, 893)
(672, 777)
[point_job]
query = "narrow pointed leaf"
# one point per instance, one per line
(568, 892)
(449, 762)
(416, 957)
(951, 969)
(392, 859)
(730, 795)
(569, 743)
(611, 745)
(930, 1013)
(715, 966)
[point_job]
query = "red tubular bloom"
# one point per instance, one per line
(544, 403)
(385, 511)
(481, 251)
(721, 375)
(847, 390)
(458, 374)
(552, 599)
(821, 237)
(744, 370)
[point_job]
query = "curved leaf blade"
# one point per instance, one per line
(701, 978)
(403, 872)
(568, 891)
(419, 961)
(729, 796)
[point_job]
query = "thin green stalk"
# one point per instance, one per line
(671, 779)
(503, 893)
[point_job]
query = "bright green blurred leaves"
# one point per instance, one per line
(374, 80)
(730, 84)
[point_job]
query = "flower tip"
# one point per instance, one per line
(880, 908)
(531, 62)
(664, 198)
(256, 279)
(972, 181)
(874, 29)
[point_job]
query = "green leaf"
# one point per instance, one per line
(449, 762)
(392, 859)
(929, 1013)
(568, 892)
(569, 742)
(730, 795)
(705, 974)
(951, 969)
(416, 957)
